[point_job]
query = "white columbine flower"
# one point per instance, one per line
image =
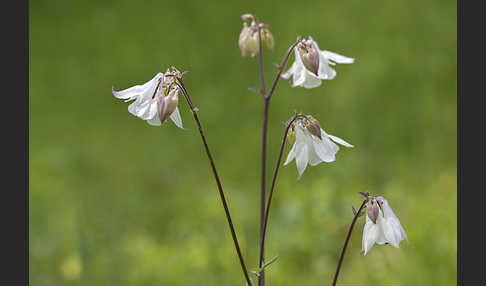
(312, 65)
(312, 144)
(155, 100)
(381, 226)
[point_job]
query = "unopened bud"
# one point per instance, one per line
(267, 39)
(313, 126)
(372, 210)
(309, 55)
(248, 41)
(167, 104)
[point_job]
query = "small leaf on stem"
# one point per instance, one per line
(270, 262)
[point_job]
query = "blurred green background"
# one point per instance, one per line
(115, 201)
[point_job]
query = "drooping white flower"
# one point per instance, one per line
(310, 147)
(381, 226)
(312, 65)
(392, 228)
(153, 97)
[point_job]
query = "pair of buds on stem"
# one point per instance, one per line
(248, 41)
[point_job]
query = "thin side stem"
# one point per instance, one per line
(267, 209)
(261, 277)
(220, 188)
(260, 57)
(346, 243)
(280, 69)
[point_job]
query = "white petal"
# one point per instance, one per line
(301, 149)
(150, 111)
(176, 117)
(340, 141)
(135, 106)
(290, 71)
(391, 232)
(394, 223)
(325, 148)
(310, 80)
(337, 57)
(314, 159)
(380, 222)
(325, 71)
(301, 159)
(134, 91)
(291, 154)
(299, 71)
(141, 108)
(129, 93)
(299, 75)
(145, 106)
(370, 235)
(155, 121)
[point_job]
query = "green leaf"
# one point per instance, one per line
(270, 262)
(257, 270)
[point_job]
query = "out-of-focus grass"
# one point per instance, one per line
(114, 201)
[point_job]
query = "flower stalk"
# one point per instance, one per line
(274, 179)
(216, 177)
(340, 262)
(261, 277)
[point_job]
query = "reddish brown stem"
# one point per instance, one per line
(346, 243)
(261, 277)
(216, 176)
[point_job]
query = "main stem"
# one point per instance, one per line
(220, 188)
(264, 216)
(346, 243)
(261, 277)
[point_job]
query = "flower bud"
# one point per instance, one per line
(248, 41)
(309, 55)
(267, 39)
(313, 126)
(372, 210)
(167, 104)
